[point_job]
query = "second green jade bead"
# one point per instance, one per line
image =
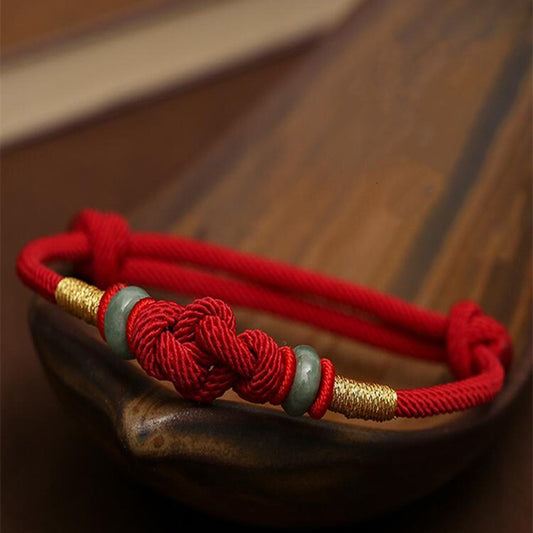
(116, 318)
(306, 381)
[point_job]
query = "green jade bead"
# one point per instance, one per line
(116, 318)
(306, 381)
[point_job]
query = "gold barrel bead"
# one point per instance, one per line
(79, 298)
(368, 401)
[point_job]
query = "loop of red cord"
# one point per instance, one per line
(476, 347)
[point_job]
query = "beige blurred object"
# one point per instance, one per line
(66, 82)
(32, 24)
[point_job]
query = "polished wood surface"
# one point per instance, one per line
(398, 157)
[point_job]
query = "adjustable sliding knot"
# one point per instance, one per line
(196, 347)
(471, 336)
(108, 235)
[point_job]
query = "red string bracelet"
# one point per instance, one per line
(197, 346)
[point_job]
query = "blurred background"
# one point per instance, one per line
(108, 103)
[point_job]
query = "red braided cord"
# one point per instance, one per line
(325, 393)
(104, 302)
(197, 348)
(475, 346)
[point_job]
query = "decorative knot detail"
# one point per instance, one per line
(108, 235)
(196, 347)
(470, 336)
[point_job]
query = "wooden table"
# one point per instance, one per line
(397, 155)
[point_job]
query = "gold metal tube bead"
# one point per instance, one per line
(369, 401)
(79, 298)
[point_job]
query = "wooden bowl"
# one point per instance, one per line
(249, 463)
